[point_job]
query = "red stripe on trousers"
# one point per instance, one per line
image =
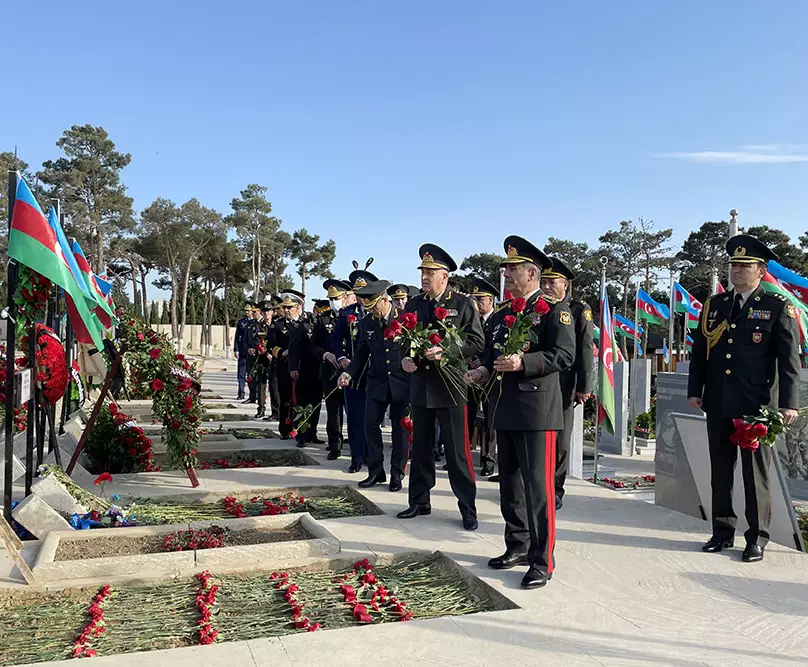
(549, 482)
(467, 443)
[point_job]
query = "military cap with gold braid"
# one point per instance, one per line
(321, 306)
(746, 249)
(292, 297)
(483, 288)
(398, 291)
(435, 257)
(359, 278)
(336, 288)
(519, 250)
(370, 294)
(266, 306)
(557, 269)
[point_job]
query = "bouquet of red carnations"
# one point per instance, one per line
(763, 427)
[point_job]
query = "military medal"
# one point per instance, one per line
(757, 337)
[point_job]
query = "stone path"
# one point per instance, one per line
(632, 586)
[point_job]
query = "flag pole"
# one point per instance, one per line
(603, 262)
(8, 472)
(633, 385)
(714, 280)
(671, 322)
(733, 231)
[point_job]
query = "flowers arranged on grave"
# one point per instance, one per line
(223, 464)
(205, 602)
(156, 371)
(51, 365)
(191, 540)
(417, 337)
(291, 592)
(367, 596)
(95, 627)
(260, 506)
(117, 444)
(639, 482)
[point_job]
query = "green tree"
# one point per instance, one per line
(154, 314)
(484, 265)
(88, 182)
(702, 255)
(165, 316)
(276, 249)
(313, 258)
(790, 255)
(584, 263)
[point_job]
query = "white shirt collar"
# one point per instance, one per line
(487, 315)
(527, 297)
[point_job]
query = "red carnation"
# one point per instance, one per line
(157, 385)
(435, 338)
(41, 376)
(140, 336)
(175, 425)
(155, 353)
(541, 307)
(293, 433)
(352, 318)
(440, 313)
(103, 477)
(409, 320)
(760, 430)
(113, 409)
(510, 320)
(518, 305)
(406, 424)
(393, 330)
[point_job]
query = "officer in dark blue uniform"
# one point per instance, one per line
(388, 386)
(291, 308)
(305, 363)
(484, 295)
(241, 346)
(337, 291)
(745, 357)
(528, 412)
(576, 383)
(343, 345)
(432, 399)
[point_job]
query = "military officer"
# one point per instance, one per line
(528, 412)
(305, 364)
(576, 383)
(252, 341)
(291, 308)
(745, 357)
(388, 386)
(399, 295)
(241, 347)
(484, 295)
(343, 345)
(433, 399)
(263, 355)
(337, 291)
(272, 382)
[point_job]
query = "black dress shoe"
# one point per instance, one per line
(284, 437)
(248, 400)
(373, 480)
(415, 510)
(332, 456)
(259, 415)
(395, 484)
(493, 478)
(316, 441)
(354, 468)
(535, 578)
(559, 503)
(508, 560)
(470, 523)
(486, 471)
(301, 443)
(716, 544)
(753, 553)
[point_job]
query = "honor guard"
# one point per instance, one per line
(343, 345)
(337, 291)
(484, 295)
(241, 347)
(745, 357)
(305, 364)
(576, 383)
(528, 411)
(291, 307)
(263, 355)
(433, 400)
(388, 386)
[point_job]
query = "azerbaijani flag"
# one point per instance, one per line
(771, 284)
(683, 300)
(666, 353)
(789, 280)
(719, 288)
(606, 364)
(34, 242)
(100, 305)
(651, 310)
(691, 320)
(688, 342)
(625, 326)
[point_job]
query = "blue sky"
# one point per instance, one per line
(383, 125)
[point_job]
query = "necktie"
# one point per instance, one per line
(736, 306)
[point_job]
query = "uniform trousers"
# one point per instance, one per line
(563, 451)
(285, 391)
(355, 407)
(757, 492)
(252, 383)
(486, 436)
(242, 374)
(260, 377)
(374, 415)
(334, 404)
(527, 494)
(454, 430)
(272, 386)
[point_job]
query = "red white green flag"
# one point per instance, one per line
(606, 364)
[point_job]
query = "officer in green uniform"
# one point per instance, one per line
(745, 357)
(528, 411)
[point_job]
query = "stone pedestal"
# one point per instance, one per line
(618, 442)
(576, 458)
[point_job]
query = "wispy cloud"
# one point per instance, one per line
(753, 154)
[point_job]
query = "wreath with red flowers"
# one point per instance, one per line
(51, 365)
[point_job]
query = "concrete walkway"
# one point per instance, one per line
(632, 585)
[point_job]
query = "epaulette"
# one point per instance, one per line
(552, 301)
(504, 304)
